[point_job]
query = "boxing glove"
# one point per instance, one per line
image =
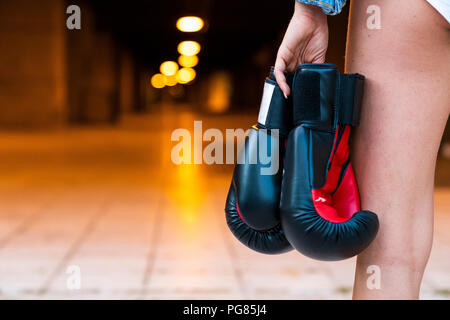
(320, 207)
(252, 205)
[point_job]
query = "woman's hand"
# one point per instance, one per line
(305, 41)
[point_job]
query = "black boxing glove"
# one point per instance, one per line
(320, 207)
(252, 206)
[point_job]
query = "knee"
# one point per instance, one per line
(394, 277)
(404, 259)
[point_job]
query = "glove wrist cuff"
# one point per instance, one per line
(323, 97)
(274, 112)
(349, 98)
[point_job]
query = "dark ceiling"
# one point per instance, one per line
(236, 29)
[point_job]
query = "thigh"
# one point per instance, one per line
(405, 109)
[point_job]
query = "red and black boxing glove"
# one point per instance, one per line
(320, 207)
(252, 206)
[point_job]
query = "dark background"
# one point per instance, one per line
(241, 37)
(236, 31)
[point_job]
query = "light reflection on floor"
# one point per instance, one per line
(109, 201)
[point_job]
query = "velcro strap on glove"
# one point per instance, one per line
(312, 106)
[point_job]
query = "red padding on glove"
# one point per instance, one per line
(338, 205)
(346, 198)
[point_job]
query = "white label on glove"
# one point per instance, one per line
(265, 103)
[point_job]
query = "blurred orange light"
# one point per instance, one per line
(170, 81)
(158, 81)
(219, 92)
(188, 61)
(189, 48)
(186, 75)
(169, 68)
(190, 24)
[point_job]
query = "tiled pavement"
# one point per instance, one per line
(109, 201)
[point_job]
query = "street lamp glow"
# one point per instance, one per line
(189, 48)
(188, 61)
(157, 81)
(186, 75)
(169, 68)
(170, 81)
(190, 24)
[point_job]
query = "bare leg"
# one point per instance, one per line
(405, 109)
